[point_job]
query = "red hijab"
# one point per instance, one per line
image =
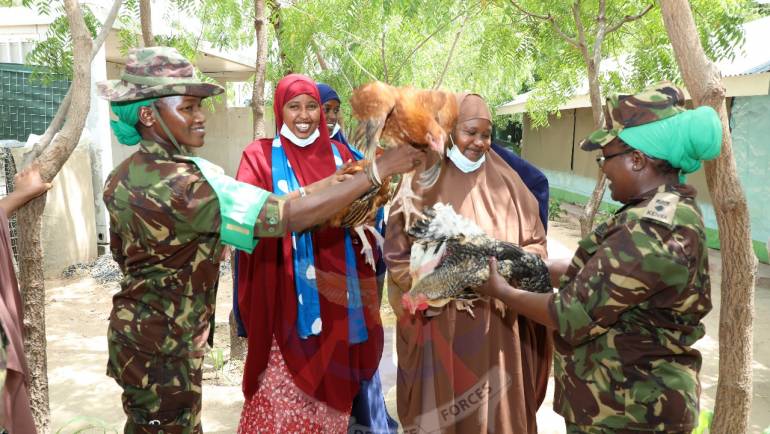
(326, 367)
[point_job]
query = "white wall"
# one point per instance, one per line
(69, 229)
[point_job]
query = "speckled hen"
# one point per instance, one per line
(451, 254)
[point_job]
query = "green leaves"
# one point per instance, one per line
(704, 422)
(52, 57)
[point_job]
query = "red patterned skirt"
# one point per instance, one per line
(279, 406)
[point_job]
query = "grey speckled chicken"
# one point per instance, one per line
(451, 254)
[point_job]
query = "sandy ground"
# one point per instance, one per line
(82, 395)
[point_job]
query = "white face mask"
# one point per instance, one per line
(286, 132)
(335, 130)
(461, 161)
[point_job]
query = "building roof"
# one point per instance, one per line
(21, 28)
(748, 73)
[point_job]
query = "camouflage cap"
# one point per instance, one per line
(659, 101)
(155, 72)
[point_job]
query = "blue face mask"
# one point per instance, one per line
(335, 130)
(461, 161)
(286, 132)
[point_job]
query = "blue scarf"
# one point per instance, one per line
(308, 306)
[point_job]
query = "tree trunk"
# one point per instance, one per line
(589, 212)
(145, 17)
(64, 106)
(51, 160)
(275, 20)
(258, 93)
(739, 264)
(440, 78)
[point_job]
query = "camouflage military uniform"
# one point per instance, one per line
(628, 312)
(165, 235)
(164, 230)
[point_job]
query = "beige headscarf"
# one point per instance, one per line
(472, 106)
(495, 198)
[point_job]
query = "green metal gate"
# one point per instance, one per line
(27, 105)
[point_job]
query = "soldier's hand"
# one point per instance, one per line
(399, 160)
(327, 182)
(496, 285)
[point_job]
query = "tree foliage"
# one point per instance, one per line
(638, 53)
(500, 52)
(407, 42)
(52, 57)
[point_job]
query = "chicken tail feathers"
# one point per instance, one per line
(367, 136)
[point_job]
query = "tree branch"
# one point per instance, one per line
(382, 55)
(64, 106)
(581, 32)
(145, 18)
(601, 19)
(50, 162)
(428, 38)
(50, 158)
(360, 66)
(629, 18)
(551, 19)
(258, 89)
(109, 21)
(318, 56)
(440, 78)
(531, 14)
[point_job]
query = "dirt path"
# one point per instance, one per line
(82, 395)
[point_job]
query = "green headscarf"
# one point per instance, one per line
(683, 140)
(128, 116)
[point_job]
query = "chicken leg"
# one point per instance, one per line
(367, 250)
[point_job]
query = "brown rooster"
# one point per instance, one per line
(360, 214)
(398, 117)
(405, 116)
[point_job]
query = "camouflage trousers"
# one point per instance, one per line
(161, 394)
(592, 429)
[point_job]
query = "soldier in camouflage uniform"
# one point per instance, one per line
(167, 233)
(631, 300)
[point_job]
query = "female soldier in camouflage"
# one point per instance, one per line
(630, 303)
(170, 214)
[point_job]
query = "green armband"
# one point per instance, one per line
(239, 205)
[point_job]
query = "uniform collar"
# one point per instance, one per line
(167, 151)
(681, 190)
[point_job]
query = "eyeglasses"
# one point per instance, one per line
(600, 160)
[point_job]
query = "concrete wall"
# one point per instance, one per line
(69, 228)
(228, 132)
(556, 151)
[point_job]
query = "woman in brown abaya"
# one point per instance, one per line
(470, 366)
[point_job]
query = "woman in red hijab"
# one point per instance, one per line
(308, 301)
